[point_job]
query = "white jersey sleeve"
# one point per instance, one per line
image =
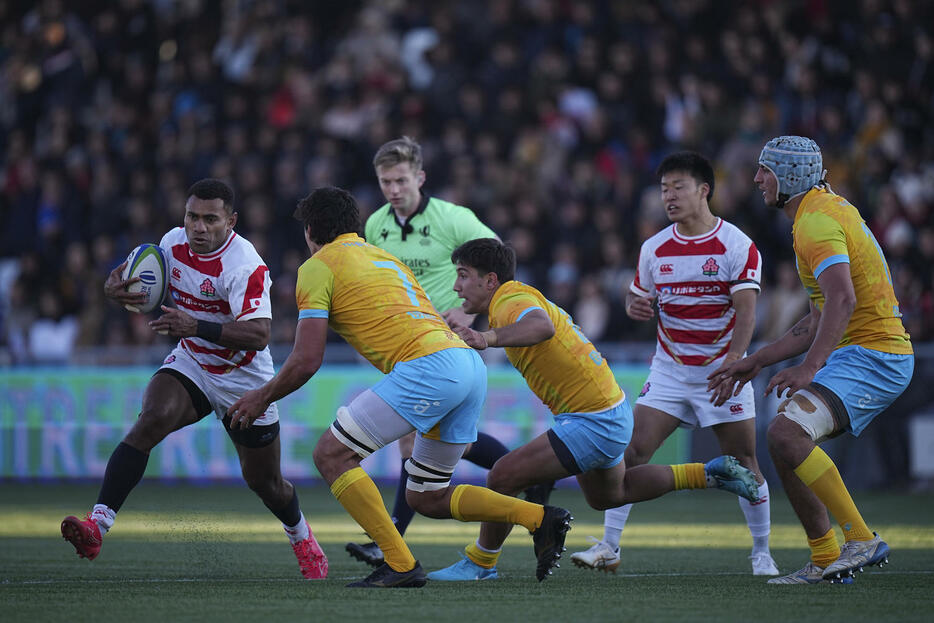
(644, 282)
(248, 292)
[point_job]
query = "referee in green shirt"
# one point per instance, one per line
(422, 232)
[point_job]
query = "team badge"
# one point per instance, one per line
(207, 288)
(710, 267)
(645, 389)
(426, 233)
(384, 234)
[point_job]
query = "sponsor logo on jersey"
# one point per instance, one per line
(190, 302)
(176, 273)
(736, 409)
(710, 267)
(207, 288)
(168, 360)
(384, 234)
(666, 269)
(691, 289)
(645, 389)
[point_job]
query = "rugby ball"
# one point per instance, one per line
(148, 262)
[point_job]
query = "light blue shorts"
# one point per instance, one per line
(866, 381)
(441, 394)
(592, 440)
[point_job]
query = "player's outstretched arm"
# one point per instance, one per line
(533, 328)
(115, 288)
(639, 307)
(302, 363)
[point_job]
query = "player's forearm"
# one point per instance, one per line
(796, 341)
(834, 318)
(744, 326)
(529, 331)
(296, 371)
(242, 335)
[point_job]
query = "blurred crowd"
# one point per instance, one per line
(546, 117)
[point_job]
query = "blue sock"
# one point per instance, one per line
(402, 513)
(485, 451)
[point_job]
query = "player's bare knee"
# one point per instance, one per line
(149, 429)
(504, 480)
(636, 455)
(434, 504)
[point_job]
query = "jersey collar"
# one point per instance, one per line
(699, 238)
(407, 227)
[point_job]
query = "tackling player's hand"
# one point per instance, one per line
(246, 410)
(115, 289)
(174, 322)
(639, 308)
(730, 378)
(791, 379)
(473, 339)
(722, 390)
(457, 317)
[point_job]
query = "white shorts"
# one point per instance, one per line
(221, 390)
(690, 402)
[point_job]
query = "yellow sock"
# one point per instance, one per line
(485, 559)
(820, 475)
(470, 503)
(689, 476)
(361, 499)
(824, 549)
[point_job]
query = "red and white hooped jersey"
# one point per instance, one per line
(694, 279)
(228, 285)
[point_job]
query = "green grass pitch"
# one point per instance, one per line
(213, 553)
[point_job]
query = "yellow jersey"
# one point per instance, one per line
(373, 301)
(565, 371)
(828, 230)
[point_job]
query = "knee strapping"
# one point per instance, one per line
(810, 413)
(425, 477)
(349, 433)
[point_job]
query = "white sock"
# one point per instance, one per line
(483, 549)
(298, 532)
(104, 516)
(614, 520)
(757, 518)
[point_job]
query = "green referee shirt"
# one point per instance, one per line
(425, 242)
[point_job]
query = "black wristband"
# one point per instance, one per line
(207, 330)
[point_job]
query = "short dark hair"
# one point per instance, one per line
(210, 188)
(327, 213)
(487, 255)
(691, 163)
